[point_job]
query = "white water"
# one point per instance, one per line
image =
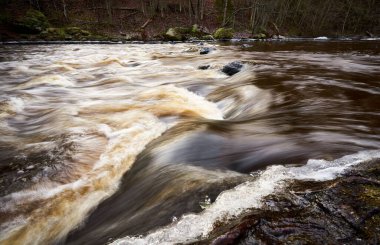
(234, 202)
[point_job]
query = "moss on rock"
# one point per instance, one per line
(177, 34)
(224, 33)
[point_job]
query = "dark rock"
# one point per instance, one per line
(232, 68)
(206, 50)
(341, 211)
(203, 67)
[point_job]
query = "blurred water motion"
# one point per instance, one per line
(98, 142)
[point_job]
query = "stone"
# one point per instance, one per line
(345, 210)
(224, 33)
(176, 34)
(232, 68)
(206, 50)
(260, 36)
(203, 67)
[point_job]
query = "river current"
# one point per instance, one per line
(154, 144)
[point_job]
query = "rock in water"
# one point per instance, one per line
(232, 68)
(206, 50)
(203, 67)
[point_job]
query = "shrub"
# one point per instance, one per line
(33, 22)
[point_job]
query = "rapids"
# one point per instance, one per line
(135, 144)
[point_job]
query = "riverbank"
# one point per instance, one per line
(234, 40)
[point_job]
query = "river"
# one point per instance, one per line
(135, 144)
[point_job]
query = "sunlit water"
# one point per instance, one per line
(132, 142)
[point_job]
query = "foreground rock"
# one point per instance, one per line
(232, 68)
(345, 210)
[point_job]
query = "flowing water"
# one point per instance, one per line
(135, 144)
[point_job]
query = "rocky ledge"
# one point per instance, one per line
(342, 211)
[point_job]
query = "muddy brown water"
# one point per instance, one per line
(100, 142)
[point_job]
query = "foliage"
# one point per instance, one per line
(4, 17)
(33, 22)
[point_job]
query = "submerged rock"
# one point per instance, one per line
(232, 68)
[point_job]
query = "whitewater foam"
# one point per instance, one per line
(234, 202)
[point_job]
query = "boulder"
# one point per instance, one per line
(260, 36)
(232, 68)
(206, 50)
(345, 210)
(77, 32)
(177, 34)
(224, 33)
(199, 31)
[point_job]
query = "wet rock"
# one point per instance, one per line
(345, 210)
(203, 67)
(232, 68)
(206, 50)
(246, 45)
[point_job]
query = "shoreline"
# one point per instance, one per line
(237, 40)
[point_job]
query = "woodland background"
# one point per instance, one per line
(246, 17)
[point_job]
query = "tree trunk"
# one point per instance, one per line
(345, 18)
(225, 12)
(64, 9)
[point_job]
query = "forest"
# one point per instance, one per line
(247, 18)
(129, 18)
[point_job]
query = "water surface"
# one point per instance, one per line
(100, 142)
